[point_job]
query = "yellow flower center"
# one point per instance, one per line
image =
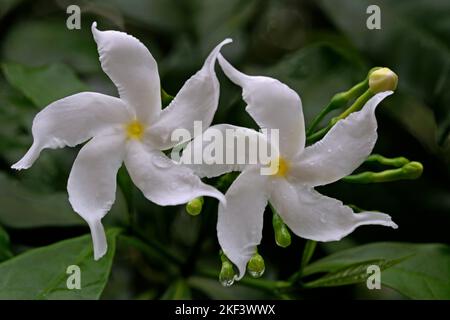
(281, 167)
(134, 130)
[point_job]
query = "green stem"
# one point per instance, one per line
(338, 101)
(394, 162)
(410, 171)
(356, 106)
(308, 252)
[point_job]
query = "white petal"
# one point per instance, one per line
(196, 101)
(71, 121)
(92, 183)
(132, 68)
(163, 181)
(343, 149)
(273, 105)
(314, 216)
(240, 222)
(215, 163)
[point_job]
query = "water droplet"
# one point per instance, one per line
(161, 161)
(227, 282)
(256, 274)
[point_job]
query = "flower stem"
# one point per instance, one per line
(308, 252)
(356, 106)
(338, 101)
(410, 171)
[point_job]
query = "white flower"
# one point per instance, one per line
(131, 129)
(273, 105)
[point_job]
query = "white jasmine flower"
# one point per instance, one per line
(131, 129)
(290, 189)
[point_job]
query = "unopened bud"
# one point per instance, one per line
(382, 79)
(194, 207)
(227, 274)
(256, 266)
(282, 234)
(413, 170)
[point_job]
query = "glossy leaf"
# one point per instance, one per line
(423, 271)
(43, 85)
(42, 273)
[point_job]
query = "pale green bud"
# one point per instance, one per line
(382, 79)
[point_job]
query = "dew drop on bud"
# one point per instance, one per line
(256, 266)
(227, 275)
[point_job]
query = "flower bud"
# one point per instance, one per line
(413, 170)
(382, 79)
(194, 207)
(256, 266)
(282, 234)
(227, 274)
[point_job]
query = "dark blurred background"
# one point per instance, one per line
(318, 48)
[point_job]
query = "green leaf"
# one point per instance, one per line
(43, 85)
(7, 5)
(165, 15)
(410, 42)
(42, 273)
(46, 41)
(5, 251)
(317, 72)
(355, 273)
(24, 208)
(422, 273)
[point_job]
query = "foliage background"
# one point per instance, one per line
(319, 48)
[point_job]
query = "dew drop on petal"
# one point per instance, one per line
(161, 162)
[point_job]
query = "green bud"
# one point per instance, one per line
(282, 234)
(227, 274)
(382, 79)
(413, 170)
(256, 266)
(194, 207)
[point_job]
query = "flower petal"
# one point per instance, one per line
(273, 105)
(314, 216)
(214, 159)
(343, 149)
(196, 101)
(162, 180)
(240, 222)
(132, 68)
(92, 183)
(71, 121)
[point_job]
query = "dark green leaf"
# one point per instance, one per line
(316, 73)
(7, 5)
(24, 208)
(42, 273)
(410, 42)
(48, 41)
(43, 85)
(5, 251)
(423, 274)
(355, 273)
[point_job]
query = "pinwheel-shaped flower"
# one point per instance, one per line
(290, 189)
(131, 129)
